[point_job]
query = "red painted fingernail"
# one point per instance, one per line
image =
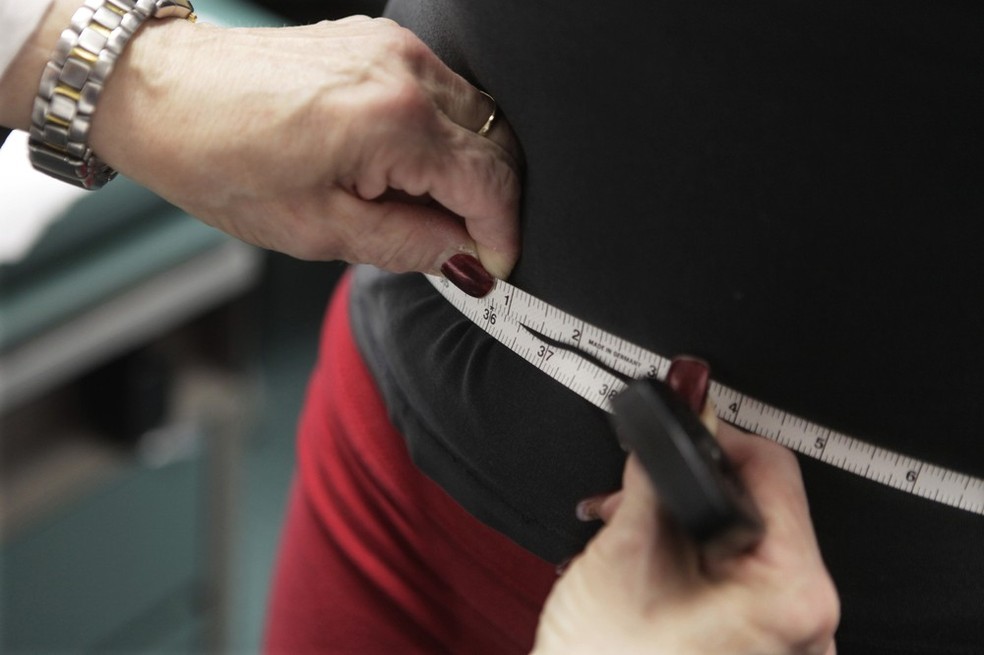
(588, 509)
(468, 274)
(689, 378)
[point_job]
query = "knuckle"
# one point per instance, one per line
(828, 604)
(508, 182)
(493, 187)
(407, 97)
(402, 45)
(404, 105)
(809, 617)
(398, 40)
(622, 544)
(387, 110)
(783, 455)
(503, 180)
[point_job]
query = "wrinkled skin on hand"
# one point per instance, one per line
(642, 587)
(343, 140)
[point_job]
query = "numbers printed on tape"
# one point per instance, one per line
(594, 364)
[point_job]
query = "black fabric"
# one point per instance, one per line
(4, 133)
(306, 11)
(790, 190)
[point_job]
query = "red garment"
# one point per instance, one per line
(375, 557)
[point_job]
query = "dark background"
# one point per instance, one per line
(308, 11)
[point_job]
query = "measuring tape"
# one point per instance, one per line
(596, 365)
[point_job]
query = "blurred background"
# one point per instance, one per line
(151, 374)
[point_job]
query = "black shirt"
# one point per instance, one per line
(790, 190)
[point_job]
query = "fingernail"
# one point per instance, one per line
(689, 378)
(468, 274)
(588, 509)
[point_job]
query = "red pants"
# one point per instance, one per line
(375, 557)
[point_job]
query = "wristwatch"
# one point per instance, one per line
(74, 78)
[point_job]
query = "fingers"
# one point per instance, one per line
(345, 120)
(479, 114)
(785, 571)
(772, 476)
(398, 233)
(464, 104)
(639, 528)
(480, 179)
(497, 239)
(601, 507)
(426, 154)
(401, 120)
(794, 574)
(472, 178)
(482, 186)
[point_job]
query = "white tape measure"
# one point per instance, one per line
(594, 364)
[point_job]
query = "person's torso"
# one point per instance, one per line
(788, 190)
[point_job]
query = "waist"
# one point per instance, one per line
(506, 421)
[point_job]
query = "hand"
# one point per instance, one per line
(343, 140)
(642, 587)
(309, 141)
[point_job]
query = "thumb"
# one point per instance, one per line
(476, 179)
(400, 234)
(638, 505)
(640, 528)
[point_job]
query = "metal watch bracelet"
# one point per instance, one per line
(73, 79)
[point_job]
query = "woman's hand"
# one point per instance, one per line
(343, 140)
(642, 587)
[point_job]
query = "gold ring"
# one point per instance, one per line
(487, 127)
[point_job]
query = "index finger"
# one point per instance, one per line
(479, 135)
(640, 528)
(479, 181)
